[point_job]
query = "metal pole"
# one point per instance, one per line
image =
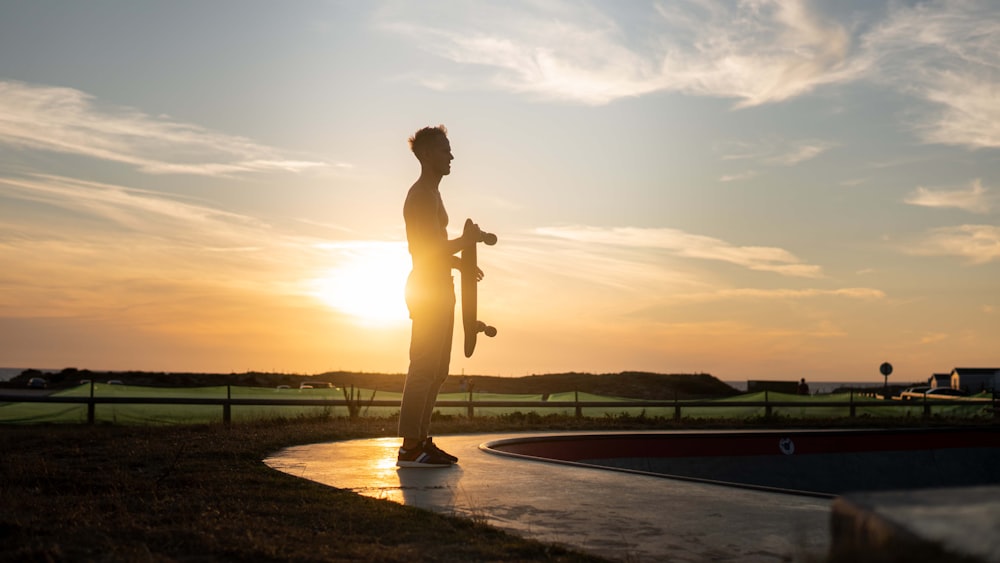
(91, 404)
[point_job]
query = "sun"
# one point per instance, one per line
(367, 282)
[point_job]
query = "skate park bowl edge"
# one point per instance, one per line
(820, 463)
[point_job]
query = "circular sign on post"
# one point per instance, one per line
(885, 368)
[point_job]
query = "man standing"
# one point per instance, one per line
(430, 298)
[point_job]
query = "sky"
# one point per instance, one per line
(755, 189)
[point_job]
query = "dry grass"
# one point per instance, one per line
(201, 493)
(73, 493)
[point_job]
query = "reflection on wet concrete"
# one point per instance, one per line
(613, 514)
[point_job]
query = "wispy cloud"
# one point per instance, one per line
(137, 254)
(980, 244)
(975, 199)
(866, 293)
(933, 338)
(687, 245)
(944, 52)
(555, 51)
(771, 153)
(849, 292)
(744, 175)
(66, 120)
(756, 52)
(132, 209)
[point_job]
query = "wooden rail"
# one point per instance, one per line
(471, 404)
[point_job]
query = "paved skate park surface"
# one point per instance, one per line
(613, 514)
(622, 514)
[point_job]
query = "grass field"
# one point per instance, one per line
(739, 407)
(201, 493)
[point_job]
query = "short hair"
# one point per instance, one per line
(420, 139)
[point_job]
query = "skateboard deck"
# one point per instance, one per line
(469, 271)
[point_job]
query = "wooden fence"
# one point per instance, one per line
(355, 405)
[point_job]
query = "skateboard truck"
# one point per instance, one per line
(470, 278)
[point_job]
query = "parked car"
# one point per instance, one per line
(944, 393)
(37, 383)
(914, 393)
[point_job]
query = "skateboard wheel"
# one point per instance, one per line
(490, 331)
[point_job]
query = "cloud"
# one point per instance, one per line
(772, 153)
(944, 52)
(744, 175)
(973, 200)
(980, 244)
(551, 51)
(864, 293)
(758, 52)
(802, 152)
(933, 338)
(777, 152)
(69, 121)
(101, 250)
(686, 245)
(132, 209)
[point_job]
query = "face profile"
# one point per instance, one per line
(436, 155)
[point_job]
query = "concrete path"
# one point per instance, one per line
(617, 515)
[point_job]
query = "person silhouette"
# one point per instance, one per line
(430, 298)
(803, 387)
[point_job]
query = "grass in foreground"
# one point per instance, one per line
(72, 493)
(116, 493)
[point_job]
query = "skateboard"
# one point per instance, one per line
(469, 270)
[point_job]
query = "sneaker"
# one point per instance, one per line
(429, 445)
(421, 457)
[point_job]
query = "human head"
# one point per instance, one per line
(426, 137)
(431, 147)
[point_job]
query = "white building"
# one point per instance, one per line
(975, 380)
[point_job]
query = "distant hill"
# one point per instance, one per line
(633, 385)
(630, 384)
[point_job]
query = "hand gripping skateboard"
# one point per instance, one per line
(470, 277)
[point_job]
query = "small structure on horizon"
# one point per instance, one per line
(940, 380)
(760, 385)
(975, 380)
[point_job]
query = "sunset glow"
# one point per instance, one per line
(756, 190)
(368, 284)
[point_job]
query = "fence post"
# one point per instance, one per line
(91, 404)
(852, 403)
(677, 407)
(471, 411)
(576, 399)
(227, 414)
(767, 406)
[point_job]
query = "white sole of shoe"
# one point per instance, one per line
(418, 464)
